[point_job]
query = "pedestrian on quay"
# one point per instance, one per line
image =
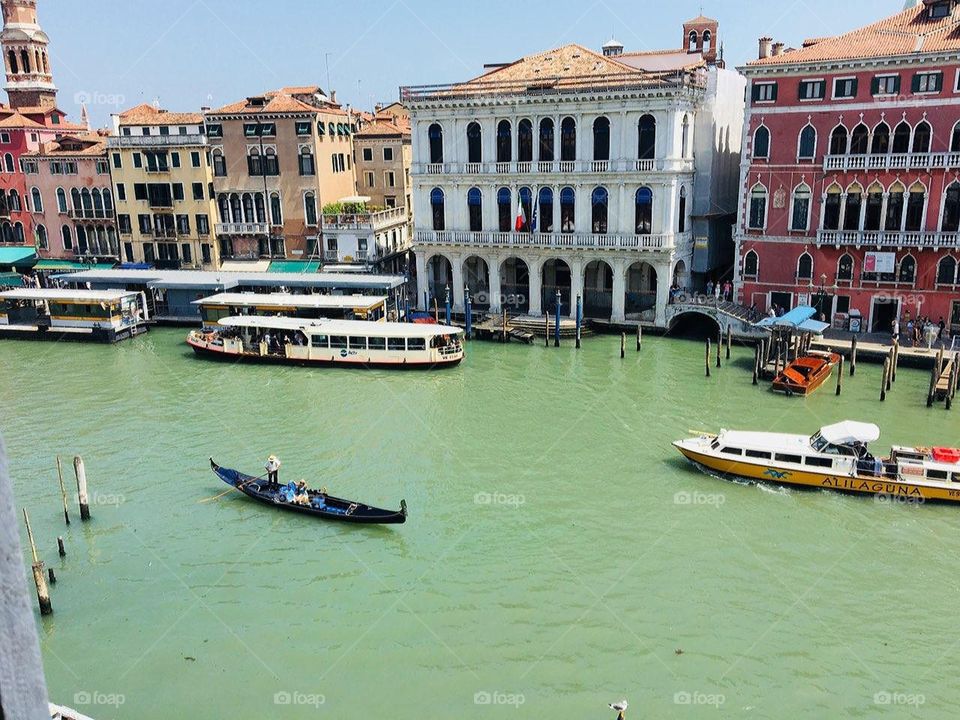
(895, 334)
(709, 288)
(943, 326)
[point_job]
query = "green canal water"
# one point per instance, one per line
(558, 556)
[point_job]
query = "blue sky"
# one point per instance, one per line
(189, 53)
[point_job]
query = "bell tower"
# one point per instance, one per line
(24, 45)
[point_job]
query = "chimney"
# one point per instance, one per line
(778, 48)
(205, 109)
(765, 47)
(333, 96)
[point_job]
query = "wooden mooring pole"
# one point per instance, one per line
(546, 329)
(579, 320)
(43, 593)
(81, 474)
(60, 548)
(931, 392)
(884, 379)
(707, 358)
(853, 356)
(890, 356)
(729, 340)
(839, 375)
(63, 492)
(756, 364)
(639, 335)
(896, 359)
(623, 345)
(719, 345)
(503, 328)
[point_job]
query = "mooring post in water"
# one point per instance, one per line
(853, 356)
(884, 378)
(623, 345)
(839, 374)
(707, 358)
(81, 474)
(639, 335)
(546, 329)
(890, 370)
(503, 329)
(43, 594)
(446, 306)
(556, 320)
(436, 312)
(931, 391)
(776, 359)
(468, 304)
(756, 364)
(579, 319)
(719, 345)
(52, 576)
(60, 548)
(896, 359)
(729, 339)
(63, 492)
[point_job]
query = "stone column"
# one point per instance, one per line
(456, 292)
(577, 266)
(619, 267)
(663, 291)
(535, 269)
(493, 270)
(421, 260)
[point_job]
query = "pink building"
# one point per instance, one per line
(850, 175)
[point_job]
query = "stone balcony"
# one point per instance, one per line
(139, 141)
(242, 228)
(892, 161)
(545, 167)
(564, 241)
(879, 239)
(374, 221)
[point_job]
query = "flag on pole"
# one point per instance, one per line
(533, 220)
(521, 216)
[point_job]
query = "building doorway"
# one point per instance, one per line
(781, 301)
(955, 317)
(883, 311)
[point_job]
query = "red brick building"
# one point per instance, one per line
(850, 173)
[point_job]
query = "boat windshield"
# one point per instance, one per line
(820, 444)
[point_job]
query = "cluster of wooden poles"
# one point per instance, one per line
(39, 577)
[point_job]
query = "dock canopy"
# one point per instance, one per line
(18, 256)
(281, 301)
(800, 319)
(66, 295)
(849, 431)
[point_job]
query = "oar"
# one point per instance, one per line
(217, 497)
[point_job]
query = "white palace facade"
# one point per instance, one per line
(619, 160)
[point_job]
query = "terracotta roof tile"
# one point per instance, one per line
(910, 32)
(147, 114)
(275, 102)
(379, 127)
(16, 120)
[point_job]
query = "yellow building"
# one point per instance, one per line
(163, 189)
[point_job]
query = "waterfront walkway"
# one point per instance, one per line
(874, 347)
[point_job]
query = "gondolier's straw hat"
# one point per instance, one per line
(272, 457)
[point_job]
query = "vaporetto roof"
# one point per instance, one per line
(363, 328)
(226, 280)
(285, 300)
(66, 294)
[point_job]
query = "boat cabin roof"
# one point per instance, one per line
(849, 431)
(286, 300)
(66, 295)
(226, 280)
(341, 327)
(800, 319)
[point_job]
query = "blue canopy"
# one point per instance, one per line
(799, 319)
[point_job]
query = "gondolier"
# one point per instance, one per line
(272, 467)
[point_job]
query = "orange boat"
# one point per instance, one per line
(806, 373)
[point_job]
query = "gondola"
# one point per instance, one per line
(321, 505)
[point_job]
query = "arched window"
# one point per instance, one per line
(598, 202)
(761, 143)
(800, 215)
(475, 209)
(112, 240)
(859, 140)
(435, 137)
(707, 41)
(807, 147)
(504, 210)
(437, 210)
(254, 163)
(504, 141)
(758, 208)
(525, 197)
(643, 212)
(751, 265)
(873, 218)
(305, 161)
(97, 202)
(546, 140)
(66, 237)
(853, 207)
(81, 240)
(8, 163)
(682, 211)
(474, 143)
(947, 271)
(276, 210)
(41, 237)
(219, 163)
(248, 210)
(685, 138)
(258, 206)
(921, 137)
(15, 205)
(955, 139)
(18, 231)
(838, 141)
(309, 208)
(916, 202)
(236, 213)
(692, 44)
(880, 145)
(224, 208)
(568, 139)
(805, 267)
(567, 210)
(107, 199)
(61, 200)
(36, 202)
(845, 268)
(831, 208)
(75, 199)
(14, 66)
(524, 141)
(271, 164)
(546, 210)
(895, 204)
(951, 209)
(647, 138)
(901, 138)
(601, 139)
(908, 270)
(25, 61)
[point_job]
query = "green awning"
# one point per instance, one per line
(294, 266)
(55, 264)
(11, 279)
(17, 255)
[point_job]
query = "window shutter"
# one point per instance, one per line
(938, 81)
(774, 87)
(896, 85)
(754, 90)
(915, 86)
(875, 86)
(855, 86)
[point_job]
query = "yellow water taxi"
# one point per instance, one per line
(836, 457)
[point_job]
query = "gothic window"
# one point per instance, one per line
(646, 138)
(601, 139)
(643, 211)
